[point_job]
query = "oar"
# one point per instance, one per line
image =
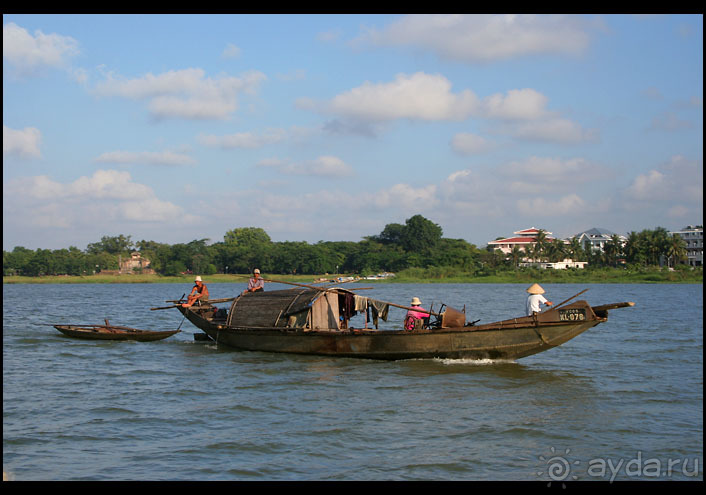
(210, 301)
(166, 307)
(569, 299)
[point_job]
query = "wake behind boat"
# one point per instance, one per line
(314, 320)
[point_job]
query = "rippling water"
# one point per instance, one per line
(621, 401)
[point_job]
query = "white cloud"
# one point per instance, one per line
(148, 157)
(541, 207)
(484, 38)
(150, 210)
(417, 96)
(518, 104)
(555, 130)
(329, 166)
(648, 186)
(679, 180)
(108, 199)
(669, 121)
(406, 197)
(329, 36)
(23, 143)
(420, 96)
(102, 185)
(246, 140)
(28, 53)
(231, 51)
(468, 144)
(679, 211)
(551, 169)
(323, 166)
(186, 94)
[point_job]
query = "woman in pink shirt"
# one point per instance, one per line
(417, 313)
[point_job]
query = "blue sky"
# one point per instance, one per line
(328, 127)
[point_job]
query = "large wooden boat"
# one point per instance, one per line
(315, 321)
(113, 332)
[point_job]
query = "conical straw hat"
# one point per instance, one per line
(535, 289)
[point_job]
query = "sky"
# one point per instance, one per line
(314, 128)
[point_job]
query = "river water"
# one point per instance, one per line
(623, 401)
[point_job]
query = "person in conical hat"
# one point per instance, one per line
(535, 289)
(535, 299)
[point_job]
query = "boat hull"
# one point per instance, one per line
(509, 340)
(98, 332)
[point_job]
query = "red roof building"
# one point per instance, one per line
(524, 239)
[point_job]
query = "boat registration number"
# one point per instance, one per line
(577, 314)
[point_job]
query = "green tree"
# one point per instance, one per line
(612, 250)
(575, 250)
(555, 250)
(657, 245)
(539, 249)
(676, 250)
(420, 234)
(111, 244)
(15, 262)
(247, 248)
(456, 253)
(393, 233)
(635, 250)
(516, 255)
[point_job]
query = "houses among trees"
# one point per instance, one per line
(601, 247)
(418, 243)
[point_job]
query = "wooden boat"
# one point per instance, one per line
(313, 320)
(113, 332)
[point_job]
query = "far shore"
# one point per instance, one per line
(654, 276)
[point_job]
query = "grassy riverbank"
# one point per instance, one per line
(411, 275)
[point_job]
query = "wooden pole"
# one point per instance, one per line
(324, 289)
(569, 299)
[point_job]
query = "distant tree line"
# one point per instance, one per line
(418, 243)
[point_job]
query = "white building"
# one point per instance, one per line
(525, 241)
(594, 239)
(694, 239)
(559, 265)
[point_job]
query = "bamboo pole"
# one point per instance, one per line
(569, 299)
(333, 289)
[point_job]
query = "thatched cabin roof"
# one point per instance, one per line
(270, 308)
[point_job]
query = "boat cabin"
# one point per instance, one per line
(296, 308)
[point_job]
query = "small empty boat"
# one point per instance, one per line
(113, 332)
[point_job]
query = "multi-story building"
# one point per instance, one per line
(594, 239)
(524, 239)
(694, 239)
